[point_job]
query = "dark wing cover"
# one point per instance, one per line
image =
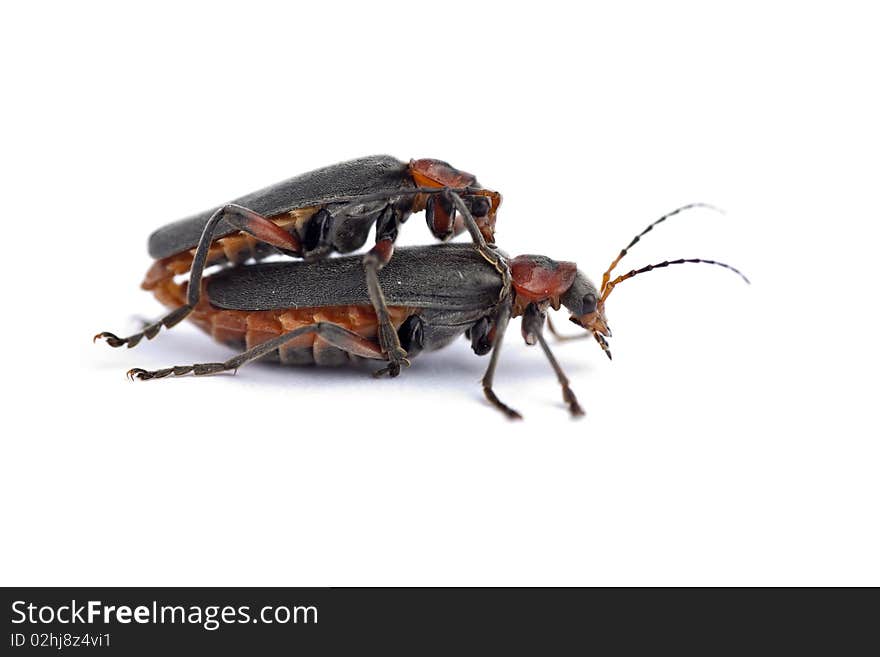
(353, 178)
(443, 276)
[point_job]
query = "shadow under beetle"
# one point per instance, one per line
(316, 214)
(319, 312)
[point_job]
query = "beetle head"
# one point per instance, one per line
(441, 216)
(587, 308)
(540, 280)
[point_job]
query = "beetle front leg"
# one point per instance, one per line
(248, 221)
(488, 251)
(469, 222)
(374, 260)
(565, 338)
(532, 328)
(567, 393)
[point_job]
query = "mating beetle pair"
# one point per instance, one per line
(327, 311)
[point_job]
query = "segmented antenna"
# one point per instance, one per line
(635, 240)
(635, 272)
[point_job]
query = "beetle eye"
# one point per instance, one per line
(479, 206)
(589, 304)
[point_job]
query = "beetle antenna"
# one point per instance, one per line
(635, 272)
(635, 240)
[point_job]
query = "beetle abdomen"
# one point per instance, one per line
(244, 329)
(240, 330)
(232, 249)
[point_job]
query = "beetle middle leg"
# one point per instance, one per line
(501, 321)
(256, 225)
(386, 233)
(387, 225)
(334, 334)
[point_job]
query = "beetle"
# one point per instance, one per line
(314, 215)
(319, 312)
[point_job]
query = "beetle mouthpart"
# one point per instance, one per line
(602, 343)
(599, 328)
(594, 322)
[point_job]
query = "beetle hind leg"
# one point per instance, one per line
(149, 331)
(178, 370)
(248, 221)
(334, 334)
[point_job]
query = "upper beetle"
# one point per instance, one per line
(318, 213)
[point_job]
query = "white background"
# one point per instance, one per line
(733, 440)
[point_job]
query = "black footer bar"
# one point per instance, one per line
(148, 621)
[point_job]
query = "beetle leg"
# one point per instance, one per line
(374, 260)
(488, 251)
(241, 218)
(440, 215)
(469, 222)
(564, 338)
(567, 393)
(501, 321)
(334, 334)
(533, 331)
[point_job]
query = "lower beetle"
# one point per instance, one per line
(319, 312)
(318, 213)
